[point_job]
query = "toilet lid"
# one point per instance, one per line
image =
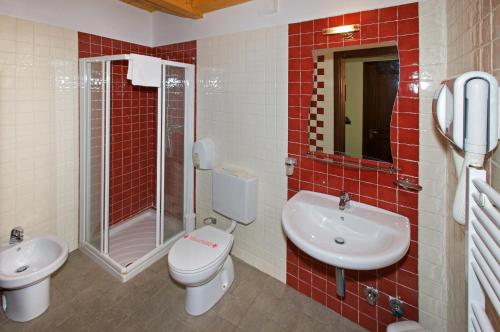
(199, 249)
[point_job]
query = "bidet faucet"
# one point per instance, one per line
(344, 200)
(16, 235)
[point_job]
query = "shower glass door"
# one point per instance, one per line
(176, 153)
(96, 99)
(131, 136)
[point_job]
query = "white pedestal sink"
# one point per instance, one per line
(25, 270)
(361, 237)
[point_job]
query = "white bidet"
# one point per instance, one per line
(25, 269)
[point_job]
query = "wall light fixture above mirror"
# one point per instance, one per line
(354, 93)
(347, 31)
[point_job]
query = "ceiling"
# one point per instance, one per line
(194, 9)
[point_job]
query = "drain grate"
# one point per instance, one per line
(22, 268)
(339, 240)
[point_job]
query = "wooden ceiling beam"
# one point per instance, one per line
(142, 4)
(206, 6)
(184, 8)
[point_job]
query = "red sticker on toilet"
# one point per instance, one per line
(201, 241)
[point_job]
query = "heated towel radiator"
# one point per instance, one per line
(483, 253)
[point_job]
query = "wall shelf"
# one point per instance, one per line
(390, 169)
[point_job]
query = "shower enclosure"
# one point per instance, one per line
(137, 178)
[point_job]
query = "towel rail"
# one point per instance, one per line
(485, 230)
(485, 188)
(489, 209)
(485, 277)
(486, 255)
(483, 250)
(482, 320)
(475, 324)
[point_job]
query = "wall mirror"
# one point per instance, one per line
(354, 93)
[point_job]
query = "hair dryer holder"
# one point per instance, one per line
(465, 110)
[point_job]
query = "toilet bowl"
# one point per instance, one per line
(200, 260)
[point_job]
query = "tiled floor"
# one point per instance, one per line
(86, 298)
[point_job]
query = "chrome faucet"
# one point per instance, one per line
(344, 200)
(16, 235)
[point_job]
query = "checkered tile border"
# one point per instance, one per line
(317, 106)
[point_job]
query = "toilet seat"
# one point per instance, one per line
(200, 251)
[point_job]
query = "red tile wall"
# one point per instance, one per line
(309, 276)
(133, 126)
(180, 52)
(133, 146)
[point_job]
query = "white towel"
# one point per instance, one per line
(144, 70)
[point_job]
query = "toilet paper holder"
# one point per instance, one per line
(290, 163)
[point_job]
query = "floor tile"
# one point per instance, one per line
(84, 297)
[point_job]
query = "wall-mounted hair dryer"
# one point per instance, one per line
(465, 110)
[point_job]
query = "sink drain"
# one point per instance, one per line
(339, 240)
(22, 268)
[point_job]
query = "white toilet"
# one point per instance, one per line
(201, 260)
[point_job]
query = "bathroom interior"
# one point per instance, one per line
(249, 165)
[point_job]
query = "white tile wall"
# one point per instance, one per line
(242, 106)
(433, 165)
(472, 30)
(38, 129)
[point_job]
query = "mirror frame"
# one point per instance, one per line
(393, 145)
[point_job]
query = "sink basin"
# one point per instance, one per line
(361, 237)
(25, 270)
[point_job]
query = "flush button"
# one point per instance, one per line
(339, 240)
